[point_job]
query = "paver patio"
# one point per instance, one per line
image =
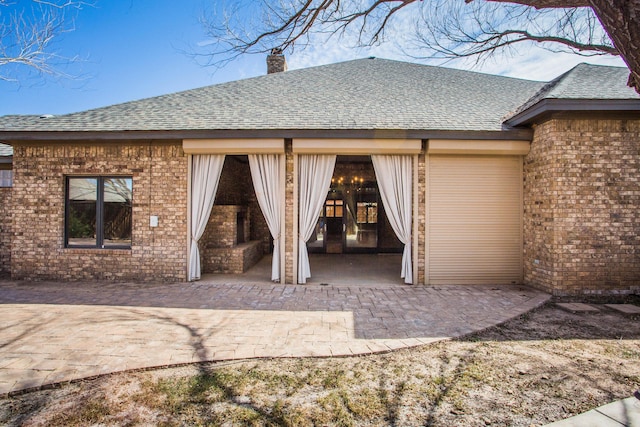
(56, 332)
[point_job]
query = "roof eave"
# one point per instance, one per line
(67, 136)
(549, 105)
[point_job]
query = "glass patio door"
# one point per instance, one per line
(348, 222)
(361, 220)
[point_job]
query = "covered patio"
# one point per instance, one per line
(372, 270)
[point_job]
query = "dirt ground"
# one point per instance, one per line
(545, 366)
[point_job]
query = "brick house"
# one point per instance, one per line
(474, 178)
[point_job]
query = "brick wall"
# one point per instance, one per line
(235, 195)
(159, 171)
(422, 215)
(236, 188)
(219, 250)
(581, 198)
(234, 260)
(5, 230)
(289, 257)
(235, 182)
(222, 228)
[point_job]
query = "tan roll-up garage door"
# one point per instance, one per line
(474, 233)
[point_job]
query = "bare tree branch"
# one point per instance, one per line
(525, 35)
(290, 22)
(285, 26)
(27, 36)
(544, 4)
(443, 28)
(482, 29)
(366, 13)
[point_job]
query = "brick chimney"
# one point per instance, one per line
(276, 61)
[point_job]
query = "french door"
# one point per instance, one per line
(348, 222)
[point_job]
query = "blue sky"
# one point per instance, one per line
(133, 49)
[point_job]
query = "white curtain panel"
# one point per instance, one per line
(205, 176)
(266, 171)
(315, 178)
(394, 175)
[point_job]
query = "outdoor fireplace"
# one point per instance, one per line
(226, 246)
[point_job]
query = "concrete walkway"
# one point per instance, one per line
(621, 413)
(55, 332)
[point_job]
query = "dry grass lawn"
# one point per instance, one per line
(544, 366)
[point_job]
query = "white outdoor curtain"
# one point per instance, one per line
(205, 176)
(394, 176)
(266, 172)
(315, 178)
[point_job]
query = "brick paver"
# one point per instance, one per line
(577, 307)
(54, 332)
(626, 309)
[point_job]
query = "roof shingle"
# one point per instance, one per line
(361, 94)
(586, 82)
(364, 94)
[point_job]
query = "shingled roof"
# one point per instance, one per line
(585, 87)
(367, 94)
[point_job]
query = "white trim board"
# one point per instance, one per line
(353, 146)
(234, 146)
(470, 146)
